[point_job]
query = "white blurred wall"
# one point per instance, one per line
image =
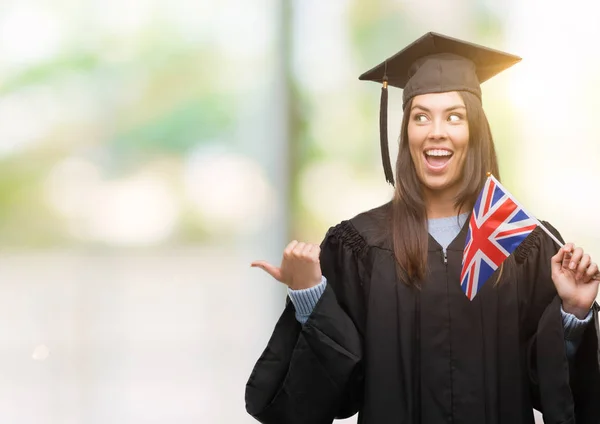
(129, 338)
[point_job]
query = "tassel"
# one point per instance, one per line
(383, 135)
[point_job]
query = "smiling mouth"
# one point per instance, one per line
(437, 158)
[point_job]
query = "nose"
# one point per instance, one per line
(438, 130)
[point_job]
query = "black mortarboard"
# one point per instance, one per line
(434, 63)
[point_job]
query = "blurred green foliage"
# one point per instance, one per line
(125, 102)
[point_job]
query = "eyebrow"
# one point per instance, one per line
(446, 110)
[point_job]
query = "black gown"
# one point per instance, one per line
(397, 354)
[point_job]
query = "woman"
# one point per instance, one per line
(377, 322)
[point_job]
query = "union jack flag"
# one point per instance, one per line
(496, 228)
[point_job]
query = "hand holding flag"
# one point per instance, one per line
(498, 225)
(576, 279)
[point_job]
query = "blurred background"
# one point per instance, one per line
(150, 150)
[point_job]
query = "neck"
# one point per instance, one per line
(441, 205)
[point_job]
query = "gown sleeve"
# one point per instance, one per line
(560, 389)
(312, 373)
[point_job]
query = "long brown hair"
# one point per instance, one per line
(409, 213)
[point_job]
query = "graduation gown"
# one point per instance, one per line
(398, 354)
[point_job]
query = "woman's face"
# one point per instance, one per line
(438, 138)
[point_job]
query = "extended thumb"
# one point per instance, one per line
(272, 270)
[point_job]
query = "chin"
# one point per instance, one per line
(439, 184)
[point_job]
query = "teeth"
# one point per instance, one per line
(438, 152)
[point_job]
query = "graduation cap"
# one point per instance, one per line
(434, 63)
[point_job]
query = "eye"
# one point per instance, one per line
(455, 117)
(420, 117)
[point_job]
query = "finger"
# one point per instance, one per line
(576, 258)
(583, 266)
(556, 262)
(568, 253)
(316, 253)
(298, 249)
(592, 272)
(312, 253)
(272, 270)
(306, 251)
(289, 249)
